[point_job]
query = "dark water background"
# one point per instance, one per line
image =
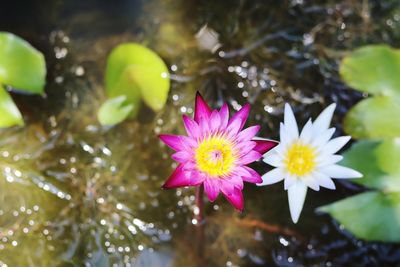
(75, 194)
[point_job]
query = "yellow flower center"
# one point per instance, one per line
(215, 156)
(300, 159)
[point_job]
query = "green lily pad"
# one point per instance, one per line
(374, 118)
(114, 111)
(21, 65)
(377, 161)
(371, 216)
(388, 156)
(127, 88)
(135, 71)
(10, 114)
(373, 69)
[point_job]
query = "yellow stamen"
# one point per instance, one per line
(300, 159)
(215, 156)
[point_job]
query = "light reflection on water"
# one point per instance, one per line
(75, 193)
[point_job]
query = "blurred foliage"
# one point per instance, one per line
(373, 215)
(374, 70)
(378, 161)
(113, 111)
(370, 215)
(137, 73)
(10, 114)
(21, 67)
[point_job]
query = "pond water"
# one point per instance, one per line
(74, 193)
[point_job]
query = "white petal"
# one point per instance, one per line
(311, 182)
(306, 133)
(279, 149)
(283, 134)
(273, 159)
(290, 123)
(334, 145)
(272, 177)
(323, 121)
(289, 181)
(296, 196)
(340, 172)
(324, 180)
(323, 138)
(325, 160)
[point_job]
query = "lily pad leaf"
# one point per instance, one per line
(376, 160)
(373, 118)
(373, 69)
(373, 216)
(114, 111)
(388, 154)
(134, 70)
(21, 65)
(10, 115)
(127, 87)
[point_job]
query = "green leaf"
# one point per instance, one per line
(374, 118)
(10, 115)
(388, 156)
(373, 69)
(134, 70)
(21, 65)
(371, 215)
(126, 87)
(366, 157)
(114, 111)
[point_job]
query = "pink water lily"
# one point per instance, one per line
(216, 151)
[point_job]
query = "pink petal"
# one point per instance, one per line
(173, 141)
(236, 181)
(241, 171)
(201, 110)
(224, 115)
(263, 146)
(192, 128)
(215, 121)
(225, 186)
(211, 189)
(245, 147)
(177, 179)
(189, 166)
(204, 126)
(254, 177)
(196, 177)
(180, 177)
(248, 133)
(250, 157)
(233, 129)
(235, 198)
(188, 143)
(181, 156)
(241, 116)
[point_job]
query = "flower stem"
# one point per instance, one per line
(199, 212)
(199, 225)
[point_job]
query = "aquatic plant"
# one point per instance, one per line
(23, 68)
(134, 73)
(307, 159)
(373, 70)
(373, 215)
(216, 151)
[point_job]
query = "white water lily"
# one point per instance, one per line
(307, 159)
